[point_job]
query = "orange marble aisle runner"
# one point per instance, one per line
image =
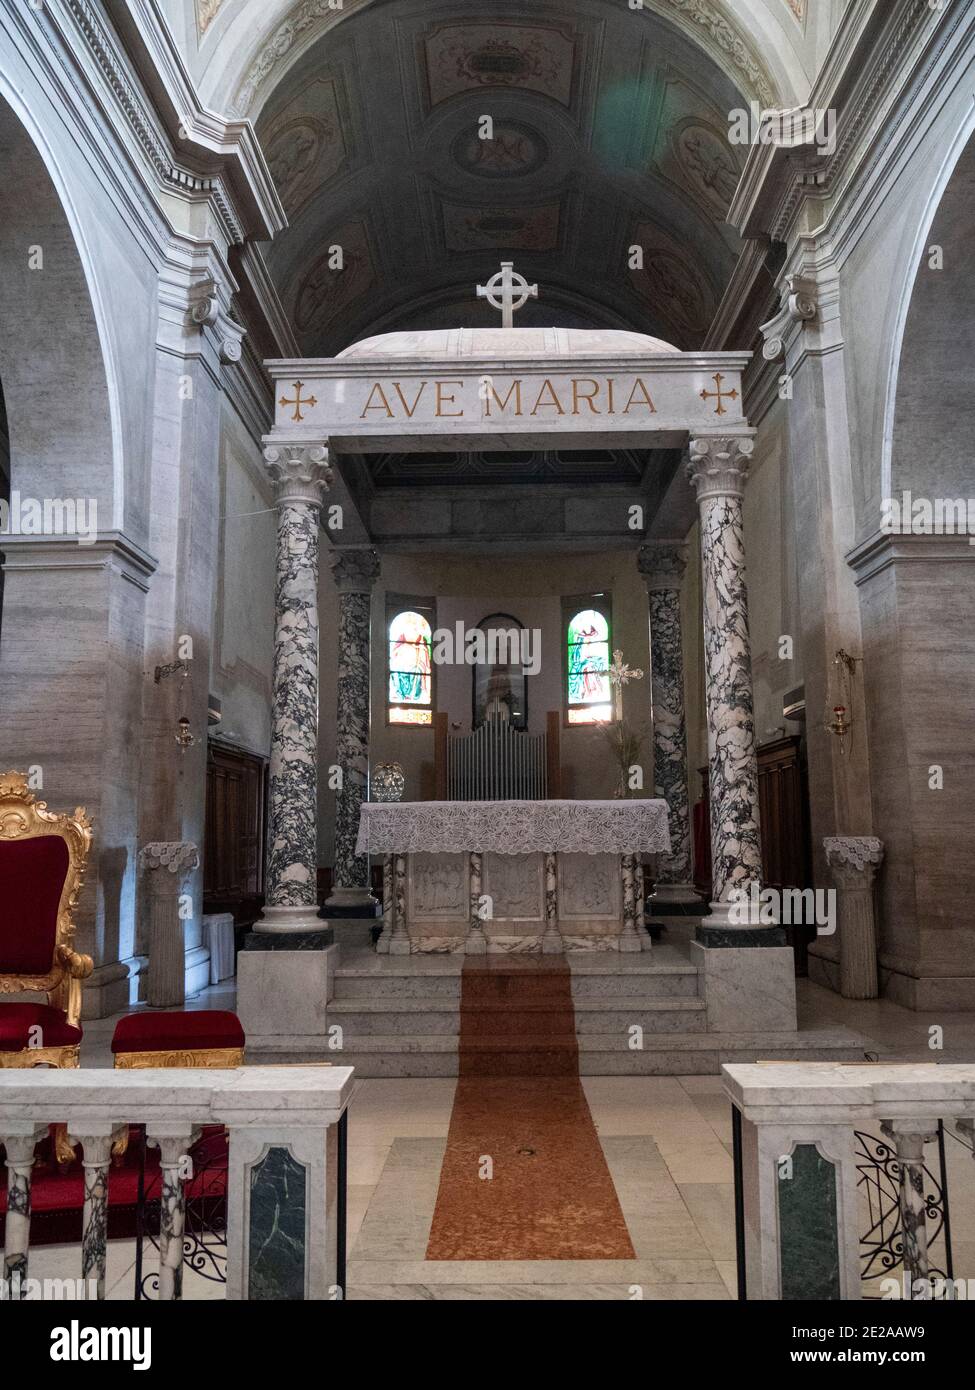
(520, 1105)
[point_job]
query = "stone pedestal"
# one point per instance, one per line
(854, 861)
(284, 985)
(745, 990)
(355, 573)
(166, 864)
(299, 473)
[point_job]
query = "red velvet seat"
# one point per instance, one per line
(197, 1037)
(17, 1020)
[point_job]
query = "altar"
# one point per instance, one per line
(480, 876)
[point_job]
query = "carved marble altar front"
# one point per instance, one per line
(560, 890)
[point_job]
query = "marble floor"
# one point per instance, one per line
(667, 1143)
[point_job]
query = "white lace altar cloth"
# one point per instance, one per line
(514, 827)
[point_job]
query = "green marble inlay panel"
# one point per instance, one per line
(809, 1252)
(276, 1245)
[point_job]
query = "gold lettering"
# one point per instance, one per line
(410, 410)
(515, 387)
(377, 388)
(441, 399)
(638, 385)
(588, 398)
(547, 386)
(610, 403)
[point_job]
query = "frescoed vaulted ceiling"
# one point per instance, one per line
(609, 132)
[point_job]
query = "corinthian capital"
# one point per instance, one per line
(718, 466)
(662, 564)
(299, 472)
(355, 571)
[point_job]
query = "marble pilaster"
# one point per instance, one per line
(476, 943)
(662, 565)
(300, 473)
(399, 941)
(854, 861)
(167, 864)
(389, 906)
(355, 572)
(552, 943)
(718, 469)
(629, 940)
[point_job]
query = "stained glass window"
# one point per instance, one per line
(589, 695)
(410, 667)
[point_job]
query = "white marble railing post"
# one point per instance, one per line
(662, 565)
(910, 1137)
(96, 1159)
(19, 1140)
(355, 572)
(718, 469)
(174, 1142)
(165, 865)
(854, 861)
(300, 473)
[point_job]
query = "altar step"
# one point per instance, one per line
(605, 1014)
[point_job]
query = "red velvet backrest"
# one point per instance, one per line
(32, 875)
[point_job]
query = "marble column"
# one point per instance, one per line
(167, 863)
(662, 565)
(718, 469)
(399, 941)
(854, 861)
(355, 573)
(389, 906)
(300, 474)
(20, 1164)
(629, 939)
(552, 943)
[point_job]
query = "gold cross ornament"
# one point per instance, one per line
(298, 402)
(721, 396)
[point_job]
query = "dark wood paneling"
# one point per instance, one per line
(784, 809)
(233, 862)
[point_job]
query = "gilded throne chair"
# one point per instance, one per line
(42, 865)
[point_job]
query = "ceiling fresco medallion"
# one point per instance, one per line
(306, 147)
(462, 57)
(515, 150)
(670, 283)
(707, 163)
(325, 291)
(477, 229)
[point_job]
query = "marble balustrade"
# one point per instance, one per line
(798, 1167)
(283, 1180)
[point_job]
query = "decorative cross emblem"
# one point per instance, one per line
(298, 402)
(721, 395)
(506, 283)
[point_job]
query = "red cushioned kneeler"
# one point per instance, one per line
(16, 1021)
(197, 1037)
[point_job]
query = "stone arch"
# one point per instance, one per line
(62, 411)
(933, 342)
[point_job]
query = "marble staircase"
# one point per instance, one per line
(400, 1016)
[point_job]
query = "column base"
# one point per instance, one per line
(670, 898)
(351, 902)
(718, 929)
(286, 920)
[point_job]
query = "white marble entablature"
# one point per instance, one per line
(508, 344)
